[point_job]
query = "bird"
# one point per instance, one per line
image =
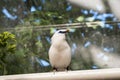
(59, 51)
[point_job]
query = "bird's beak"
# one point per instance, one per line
(67, 30)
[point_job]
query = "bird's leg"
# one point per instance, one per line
(54, 70)
(66, 69)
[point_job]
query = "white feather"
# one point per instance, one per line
(59, 52)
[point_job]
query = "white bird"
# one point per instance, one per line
(59, 52)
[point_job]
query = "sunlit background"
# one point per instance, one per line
(26, 29)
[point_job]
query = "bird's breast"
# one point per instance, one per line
(60, 54)
(60, 45)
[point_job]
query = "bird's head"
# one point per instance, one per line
(62, 31)
(59, 34)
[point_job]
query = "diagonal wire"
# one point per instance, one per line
(59, 26)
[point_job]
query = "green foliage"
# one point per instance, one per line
(46, 17)
(28, 48)
(7, 43)
(7, 47)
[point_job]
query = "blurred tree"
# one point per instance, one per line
(7, 47)
(11, 13)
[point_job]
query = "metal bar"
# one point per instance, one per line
(70, 25)
(98, 74)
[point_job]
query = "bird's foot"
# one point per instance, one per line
(54, 70)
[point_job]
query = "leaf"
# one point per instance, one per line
(39, 44)
(80, 18)
(7, 42)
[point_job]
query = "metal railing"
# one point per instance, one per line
(98, 74)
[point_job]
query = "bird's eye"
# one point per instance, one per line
(62, 32)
